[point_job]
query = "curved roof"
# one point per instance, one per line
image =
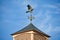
(30, 27)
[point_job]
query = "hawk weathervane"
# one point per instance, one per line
(30, 9)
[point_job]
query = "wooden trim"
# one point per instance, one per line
(30, 30)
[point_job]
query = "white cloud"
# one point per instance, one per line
(56, 29)
(48, 12)
(49, 6)
(39, 14)
(49, 28)
(55, 7)
(26, 2)
(46, 20)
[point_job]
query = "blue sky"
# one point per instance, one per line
(14, 18)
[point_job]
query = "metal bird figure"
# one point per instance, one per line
(29, 9)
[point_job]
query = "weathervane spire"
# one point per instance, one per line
(30, 10)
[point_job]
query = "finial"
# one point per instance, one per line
(30, 18)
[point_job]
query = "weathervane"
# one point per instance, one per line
(30, 9)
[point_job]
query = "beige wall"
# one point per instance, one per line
(38, 36)
(24, 36)
(31, 35)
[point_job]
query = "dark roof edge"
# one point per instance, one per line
(30, 30)
(33, 29)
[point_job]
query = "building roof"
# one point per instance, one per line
(30, 27)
